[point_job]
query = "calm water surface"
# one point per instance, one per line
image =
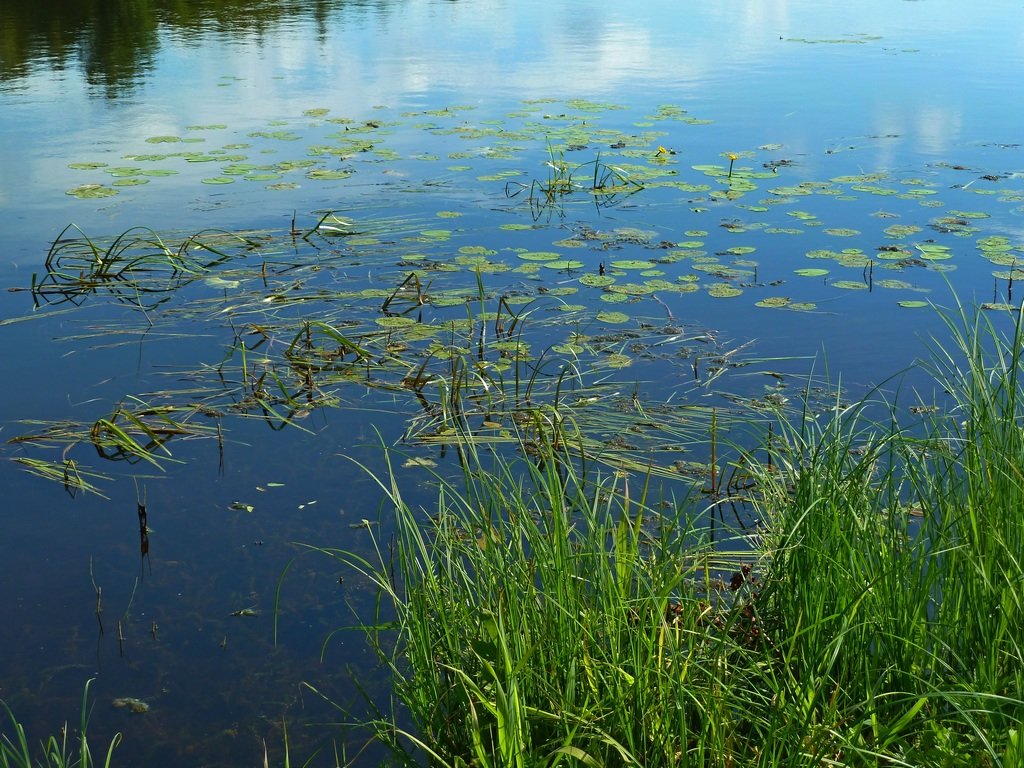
(846, 119)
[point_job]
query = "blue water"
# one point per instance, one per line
(921, 95)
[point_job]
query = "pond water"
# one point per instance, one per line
(601, 198)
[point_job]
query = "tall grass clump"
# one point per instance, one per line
(548, 614)
(893, 599)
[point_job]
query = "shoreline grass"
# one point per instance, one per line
(56, 752)
(551, 615)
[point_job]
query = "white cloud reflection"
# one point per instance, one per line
(916, 69)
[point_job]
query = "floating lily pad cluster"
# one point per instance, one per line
(728, 223)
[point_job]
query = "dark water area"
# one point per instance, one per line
(799, 182)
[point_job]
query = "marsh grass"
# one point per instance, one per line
(550, 615)
(548, 612)
(56, 751)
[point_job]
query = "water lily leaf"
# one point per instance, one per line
(913, 304)
(276, 135)
(934, 252)
(632, 289)
(123, 171)
(632, 264)
(436, 235)
(811, 272)
(849, 285)
(219, 180)
(91, 191)
(562, 264)
(396, 321)
(613, 317)
(969, 214)
(773, 302)
(539, 255)
(325, 174)
(1013, 274)
(723, 290)
(901, 230)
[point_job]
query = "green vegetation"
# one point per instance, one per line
(548, 612)
(15, 751)
(426, 330)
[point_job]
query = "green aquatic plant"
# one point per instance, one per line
(545, 613)
(287, 338)
(894, 586)
(56, 752)
(542, 610)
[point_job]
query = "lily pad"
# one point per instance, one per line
(91, 191)
(597, 281)
(773, 302)
(325, 174)
(850, 285)
(394, 321)
(632, 264)
(723, 290)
